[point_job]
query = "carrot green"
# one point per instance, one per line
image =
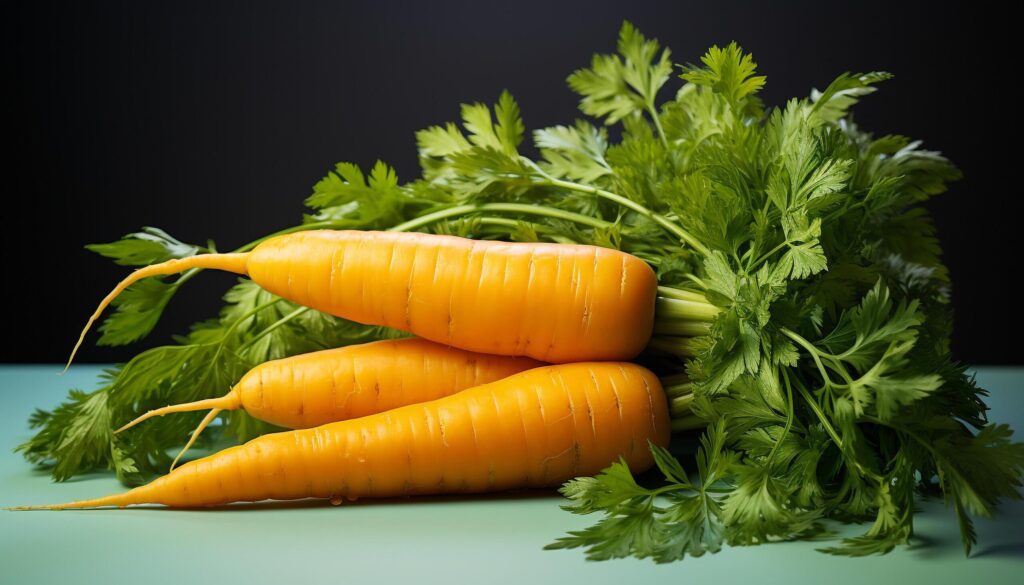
(801, 291)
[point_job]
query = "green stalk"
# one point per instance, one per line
(697, 281)
(681, 294)
(813, 404)
(250, 313)
(661, 220)
(688, 423)
(666, 308)
(504, 222)
(682, 327)
(541, 210)
(422, 220)
(753, 266)
(679, 407)
(280, 322)
(677, 390)
(681, 346)
(653, 111)
(812, 350)
(674, 380)
(790, 414)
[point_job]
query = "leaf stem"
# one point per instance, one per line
(677, 390)
(813, 404)
(681, 294)
(270, 328)
(688, 423)
(789, 418)
(680, 405)
(653, 111)
(811, 350)
(468, 208)
(666, 308)
(250, 313)
(753, 266)
(931, 448)
(661, 220)
(683, 327)
(675, 380)
(680, 346)
(697, 281)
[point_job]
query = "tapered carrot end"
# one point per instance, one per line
(43, 507)
(155, 412)
(195, 435)
(145, 494)
(236, 263)
(229, 401)
(119, 500)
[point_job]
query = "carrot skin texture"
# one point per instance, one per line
(537, 428)
(553, 302)
(321, 387)
(556, 303)
(317, 388)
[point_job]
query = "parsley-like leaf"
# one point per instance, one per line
(617, 86)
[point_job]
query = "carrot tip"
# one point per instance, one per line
(233, 262)
(230, 401)
(195, 434)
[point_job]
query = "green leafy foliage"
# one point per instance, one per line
(576, 153)
(149, 246)
(828, 364)
(803, 293)
(664, 524)
(617, 86)
(730, 73)
(347, 199)
(138, 309)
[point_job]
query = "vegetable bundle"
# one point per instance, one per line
(802, 312)
(533, 429)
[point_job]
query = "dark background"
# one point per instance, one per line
(213, 121)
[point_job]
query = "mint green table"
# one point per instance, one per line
(486, 540)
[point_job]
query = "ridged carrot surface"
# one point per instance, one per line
(553, 302)
(316, 388)
(537, 428)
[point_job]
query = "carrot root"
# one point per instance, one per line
(119, 500)
(229, 401)
(195, 435)
(230, 262)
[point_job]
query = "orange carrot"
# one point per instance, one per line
(552, 302)
(537, 428)
(316, 388)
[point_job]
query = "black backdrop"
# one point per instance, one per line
(213, 121)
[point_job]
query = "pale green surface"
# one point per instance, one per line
(476, 540)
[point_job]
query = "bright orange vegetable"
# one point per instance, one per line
(553, 302)
(537, 428)
(316, 388)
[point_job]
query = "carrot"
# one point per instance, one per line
(537, 428)
(316, 388)
(553, 302)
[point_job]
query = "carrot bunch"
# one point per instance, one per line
(468, 406)
(779, 254)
